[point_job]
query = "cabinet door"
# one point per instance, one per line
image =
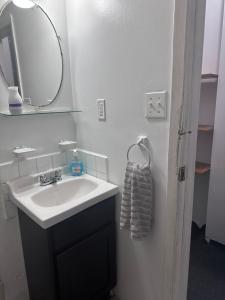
(88, 269)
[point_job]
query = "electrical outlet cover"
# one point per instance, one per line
(101, 109)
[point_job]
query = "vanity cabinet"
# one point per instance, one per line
(74, 259)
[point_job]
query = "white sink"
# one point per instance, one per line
(52, 204)
(63, 192)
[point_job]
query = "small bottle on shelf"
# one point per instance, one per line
(15, 101)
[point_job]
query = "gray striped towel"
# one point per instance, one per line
(136, 206)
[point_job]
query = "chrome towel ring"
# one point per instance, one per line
(140, 144)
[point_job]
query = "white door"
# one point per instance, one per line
(186, 141)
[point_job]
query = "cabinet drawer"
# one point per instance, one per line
(78, 227)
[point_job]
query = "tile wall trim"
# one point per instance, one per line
(95, 164)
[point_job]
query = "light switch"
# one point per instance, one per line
(156, 105)
(101, 109)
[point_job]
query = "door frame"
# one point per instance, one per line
(189, 26)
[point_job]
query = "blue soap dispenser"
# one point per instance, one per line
(76, 167)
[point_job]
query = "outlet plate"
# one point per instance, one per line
(156, 105)
(101, 109)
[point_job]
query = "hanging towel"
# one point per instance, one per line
(136, 206)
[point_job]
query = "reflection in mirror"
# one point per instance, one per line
(24, 3)
(30, 53)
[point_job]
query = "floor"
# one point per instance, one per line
(207, 268)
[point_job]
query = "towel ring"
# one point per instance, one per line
(144, 147)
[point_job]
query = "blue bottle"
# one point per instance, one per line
(76, 167)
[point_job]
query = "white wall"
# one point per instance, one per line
(119, 50)
(212, 40)
(42, 132)
(215, 228)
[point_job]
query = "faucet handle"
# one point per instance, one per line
(43, 178)
(58, 174)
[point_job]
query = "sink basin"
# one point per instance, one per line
(63, 192)
(52, 204)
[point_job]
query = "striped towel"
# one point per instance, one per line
(136, 206)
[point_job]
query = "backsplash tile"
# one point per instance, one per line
(27, 166)
(91, 172)
(103, 176)
(68, 156)
(94, 164)
(101, 164)
(59, 160)
(91, 161)
(9, 171)
(44, 163)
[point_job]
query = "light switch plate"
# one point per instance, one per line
(101, 109)
(156, 105)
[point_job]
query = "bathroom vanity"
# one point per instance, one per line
(75, 259)
(69, 243)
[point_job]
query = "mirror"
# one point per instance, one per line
(30, 53)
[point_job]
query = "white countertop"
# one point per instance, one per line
(54, 203)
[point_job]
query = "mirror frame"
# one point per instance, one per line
(60, 49)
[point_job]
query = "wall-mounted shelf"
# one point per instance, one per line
(22, 152)
(67, 145)
(39, 112)
(201, 168)
(205, 128)
(209, 78)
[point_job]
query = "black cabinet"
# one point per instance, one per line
(73, 260)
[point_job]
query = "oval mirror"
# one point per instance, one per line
(30, 52)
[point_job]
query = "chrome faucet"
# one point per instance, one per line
(51, 177)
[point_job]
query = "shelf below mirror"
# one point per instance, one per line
(40, 111)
